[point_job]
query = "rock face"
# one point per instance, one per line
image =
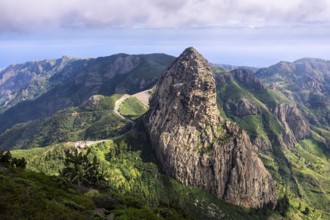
(295, 126)
(51, 85)
(306, 82)
(195, 145)
(242, 108)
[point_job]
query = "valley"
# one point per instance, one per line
(149, 150)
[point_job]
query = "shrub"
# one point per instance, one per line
(80, 170)
(7, 160)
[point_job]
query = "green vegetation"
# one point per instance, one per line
(311, 168)
(218, 70)
(262, 125)
(30, 195)
(7, 160)
(136, 188)
(79, 169)
(76, 82)
(132, 171)
(302, 173)
(89, 121)
(132, 107)
(146, 74)
(253, 124)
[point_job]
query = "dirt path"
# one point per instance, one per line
(118, 103)
(83, 144)
(143, 96)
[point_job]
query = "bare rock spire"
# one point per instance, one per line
(195, 145)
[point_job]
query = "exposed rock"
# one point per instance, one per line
(91, 103)
(295, 126)
(306, 82)
(242, 108)
(195, 145)
(67, 82)
(262, 143)
(247, 79)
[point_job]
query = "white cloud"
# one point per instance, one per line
(33, 14)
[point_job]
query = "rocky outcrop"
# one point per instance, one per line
(294, 124)
(262, 143)
(244, 106)
(241, 108)
(27, 81)
(195, 145)
(247, 79)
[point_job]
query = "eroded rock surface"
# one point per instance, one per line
(195, 145)
(295, 126)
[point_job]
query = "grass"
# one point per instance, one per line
(89, 121)
(302, 174)
(132, 107)
(311, 146)
(253, 124)
(133, 171)
(235, 91)
(312, 170)
(265, 123)
(30, 195)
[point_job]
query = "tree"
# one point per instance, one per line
(283, 205)
(80, 170)
(306, 211)
(7, 160)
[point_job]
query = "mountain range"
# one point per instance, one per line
(256, 138)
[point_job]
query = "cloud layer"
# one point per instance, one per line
(18, 15)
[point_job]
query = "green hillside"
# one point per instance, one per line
(132, 107)
(302, 173)
(133, 172)
(92, 120)
(306, 82)
(30, 195)
(76, 82)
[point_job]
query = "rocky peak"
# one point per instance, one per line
(195, 145)
(188, 86)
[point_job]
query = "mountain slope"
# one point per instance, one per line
(94, 119)
(296, 156)
(30, 195)
(29, 80)
(306, 82)
(133, 172)
(260, 110)
(81, 79)
(284, 111)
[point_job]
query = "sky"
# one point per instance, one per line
(239, 32)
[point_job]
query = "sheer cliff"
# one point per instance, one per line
(198, 147)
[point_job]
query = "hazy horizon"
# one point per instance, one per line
(251, 33)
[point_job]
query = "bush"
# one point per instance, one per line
(80, 170)
(7, 160)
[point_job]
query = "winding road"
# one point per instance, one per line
(142, 96)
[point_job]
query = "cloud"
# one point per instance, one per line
(18, 15)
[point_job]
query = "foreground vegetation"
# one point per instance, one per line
(30, 195)
(132, 172)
